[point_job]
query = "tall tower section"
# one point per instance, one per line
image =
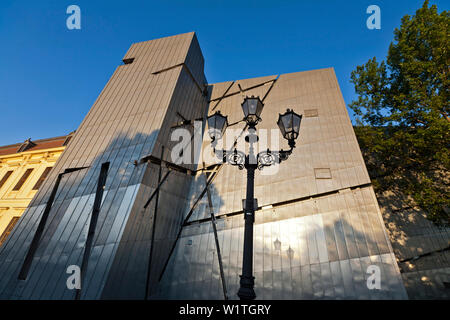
(160, 82)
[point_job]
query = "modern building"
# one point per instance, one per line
(139, 227)
(23, 169)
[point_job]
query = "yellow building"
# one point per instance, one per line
(23, 168)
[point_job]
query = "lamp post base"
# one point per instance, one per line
(246, 291)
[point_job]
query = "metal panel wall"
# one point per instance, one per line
(322, 233)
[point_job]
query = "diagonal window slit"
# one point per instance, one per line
(93, 223)
(40, 229)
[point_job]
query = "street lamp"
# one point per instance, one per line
(252, 107)
(217, 124)
(289, 124)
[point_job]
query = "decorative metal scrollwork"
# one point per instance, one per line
(235, 157)
(264, 158)
(268, 158)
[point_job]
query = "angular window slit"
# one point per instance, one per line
(128, 60)
(40, 229)
(93, 223)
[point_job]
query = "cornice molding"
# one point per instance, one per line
(29, 153)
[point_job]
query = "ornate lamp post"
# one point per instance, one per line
(289, 124)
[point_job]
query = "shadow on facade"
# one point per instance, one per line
(421, 247)
(130, 276)
(119, 261)
(123, 227)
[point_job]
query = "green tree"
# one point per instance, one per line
(402, 113)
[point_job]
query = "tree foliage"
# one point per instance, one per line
(402, 112)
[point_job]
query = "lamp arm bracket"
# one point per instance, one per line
(233, 157)
(235, 123)
(268, 158)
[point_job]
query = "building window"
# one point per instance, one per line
(68, 138)
(5, 178)
(22, 180)
(128, 60)
(8, 229)
(28, 144)
(42, 178)
(66, 142)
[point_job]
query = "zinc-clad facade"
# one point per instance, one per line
(317, 239)
(319, 227)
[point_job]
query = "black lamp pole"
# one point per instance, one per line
(289, 124)
(247, 282)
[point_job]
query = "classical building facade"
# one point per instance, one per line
(139, 226)
(23, 169)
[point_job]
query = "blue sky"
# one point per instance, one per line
(50, 76)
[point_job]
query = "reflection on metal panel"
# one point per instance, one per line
(295, 254)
